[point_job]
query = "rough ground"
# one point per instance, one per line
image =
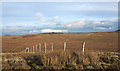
(62, 60)
(103, 41)
(101, 51)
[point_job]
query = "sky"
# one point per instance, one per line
(19, 18)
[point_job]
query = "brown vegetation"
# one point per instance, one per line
(62, 60)
(100, 51)
(97, 41)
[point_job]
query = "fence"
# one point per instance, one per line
(38, 48)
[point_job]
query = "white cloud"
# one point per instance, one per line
(50, 30)
(74, 24)
(47, 31)
(52, 24)
(110, 28)
(34, 31)
(54, 18)
(15, 30)
(100, 28)
(96, 23)
(40, 17)
(103, 28)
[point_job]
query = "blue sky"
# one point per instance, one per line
(39, 17)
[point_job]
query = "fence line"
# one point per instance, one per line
(38, 48)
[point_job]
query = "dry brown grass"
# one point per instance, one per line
(98, 51)
(60, 59)
(98, 41)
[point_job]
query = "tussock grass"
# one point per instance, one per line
(58, 59)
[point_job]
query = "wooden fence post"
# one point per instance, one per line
(83, 47)
(33, 49)
(25, 50)
(45, 47)
(28, 50)
(52, 46)
(39, 47)
(64, 46)
(36, 47)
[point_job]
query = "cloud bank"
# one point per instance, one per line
(47, 31)
(59, 17)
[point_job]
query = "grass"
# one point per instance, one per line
(99, 41)
(100, 51)
(61, 60)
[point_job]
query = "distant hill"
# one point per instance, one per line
(117, 30)
(53, 33)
